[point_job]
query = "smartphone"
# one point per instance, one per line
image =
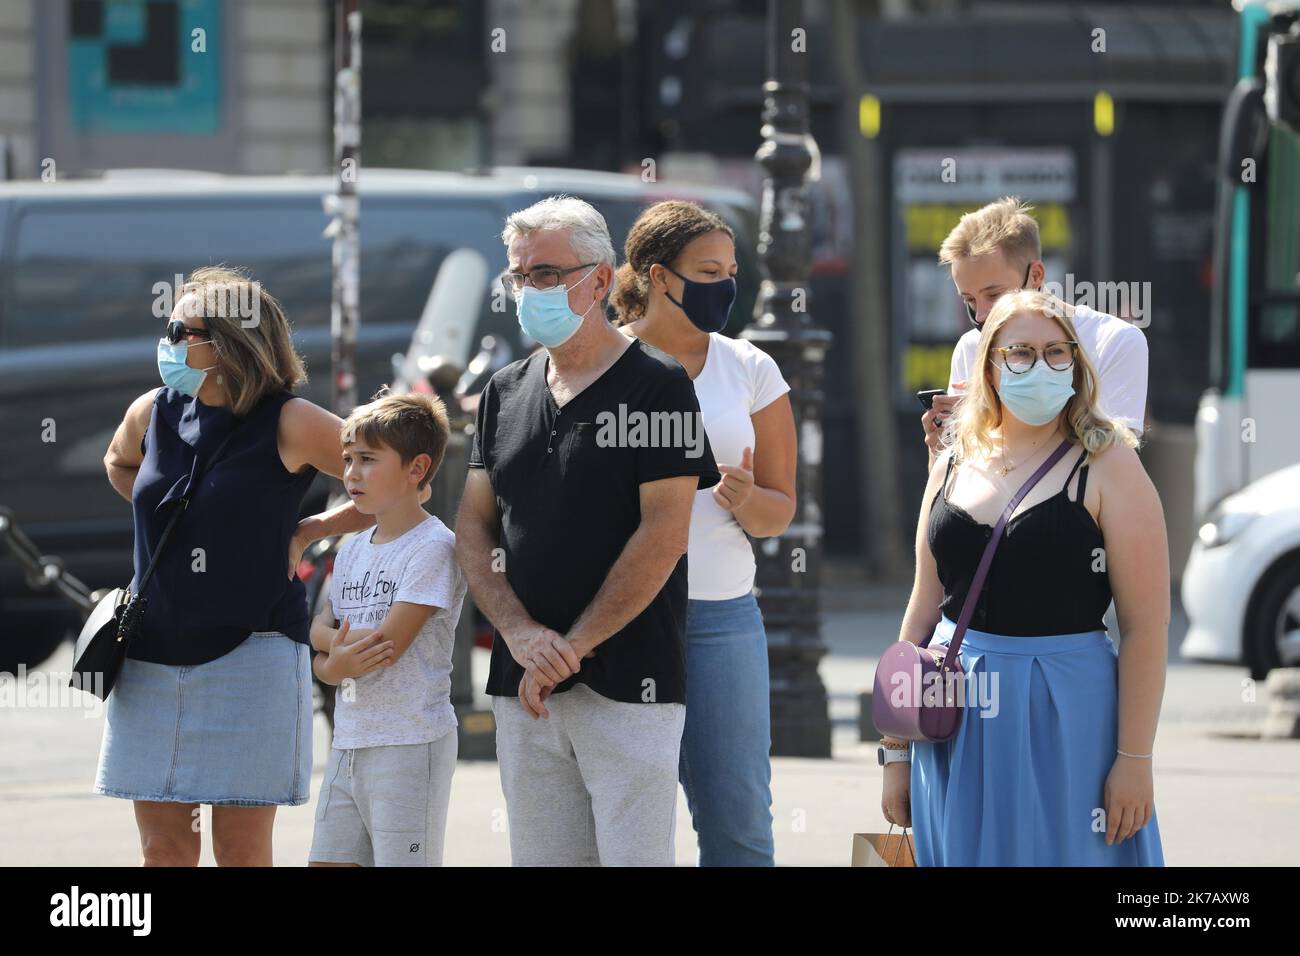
(926, 397)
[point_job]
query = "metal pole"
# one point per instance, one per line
(789, 567)
(885, 542)
(345, 307)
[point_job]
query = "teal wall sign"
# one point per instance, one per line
(137, 66)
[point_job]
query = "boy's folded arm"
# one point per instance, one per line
(403, 622)
(320, 667)
(323, 626)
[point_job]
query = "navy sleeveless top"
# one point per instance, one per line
(1042, 580)
(224, 573)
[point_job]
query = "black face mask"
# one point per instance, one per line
(706, 304)
(970, 309)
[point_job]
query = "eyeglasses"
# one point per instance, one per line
(970, 309)
(176, 328)
(544, 277)
(1021, 358)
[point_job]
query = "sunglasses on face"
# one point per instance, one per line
(176, 329)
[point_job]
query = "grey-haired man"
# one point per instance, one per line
(574, 546)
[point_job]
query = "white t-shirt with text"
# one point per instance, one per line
(1117, 349)
(408, 702)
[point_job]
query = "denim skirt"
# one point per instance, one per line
(1022, 783)
(236, 730)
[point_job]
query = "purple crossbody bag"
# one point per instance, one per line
(914, 694)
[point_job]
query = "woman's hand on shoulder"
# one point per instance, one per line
(310, 435)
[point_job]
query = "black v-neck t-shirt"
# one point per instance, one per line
(567, 483)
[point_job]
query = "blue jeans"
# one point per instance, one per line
(725, 769)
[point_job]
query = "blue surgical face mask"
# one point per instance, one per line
(706, 304)
(545, 316)
(175, 372)
(1037, 396)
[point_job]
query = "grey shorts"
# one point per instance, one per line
(385, 806)
(593, 784)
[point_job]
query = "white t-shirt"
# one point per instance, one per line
(1117, 349)
(410, 701)
(738, 379)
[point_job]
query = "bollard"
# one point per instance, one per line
(1282, 722)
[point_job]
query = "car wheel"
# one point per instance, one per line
(1274, 630)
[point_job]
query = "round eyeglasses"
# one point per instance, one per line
(1019, 359)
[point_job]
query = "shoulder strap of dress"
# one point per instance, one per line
(943, 488)
(1083, 475)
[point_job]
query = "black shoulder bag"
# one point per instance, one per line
(117, 617)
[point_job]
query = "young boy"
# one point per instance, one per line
(385, 637)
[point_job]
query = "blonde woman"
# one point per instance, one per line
(1052, 765)
(213, 703)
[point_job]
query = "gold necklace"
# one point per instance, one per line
(1003, 443)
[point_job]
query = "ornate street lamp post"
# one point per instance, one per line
(789, 567)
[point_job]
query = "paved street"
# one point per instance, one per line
(1223, 796)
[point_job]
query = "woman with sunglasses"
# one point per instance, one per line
(213, 704)
(1052, 763)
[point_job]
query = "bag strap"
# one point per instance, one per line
(981, 572)
(184, 502)
(902, 841)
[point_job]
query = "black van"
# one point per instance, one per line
(79, 266)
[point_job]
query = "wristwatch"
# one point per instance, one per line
(888, 755)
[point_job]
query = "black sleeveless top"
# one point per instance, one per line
(224, 572)
(1041, 581)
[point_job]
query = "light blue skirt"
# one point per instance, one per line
(236, 730)
(1022, 784)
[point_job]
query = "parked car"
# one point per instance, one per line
(1241, 586)
(79, 266)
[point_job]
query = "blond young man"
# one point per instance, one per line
(995, 250)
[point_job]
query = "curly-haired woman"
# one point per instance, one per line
(675, 292)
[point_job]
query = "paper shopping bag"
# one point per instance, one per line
(883, 849)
